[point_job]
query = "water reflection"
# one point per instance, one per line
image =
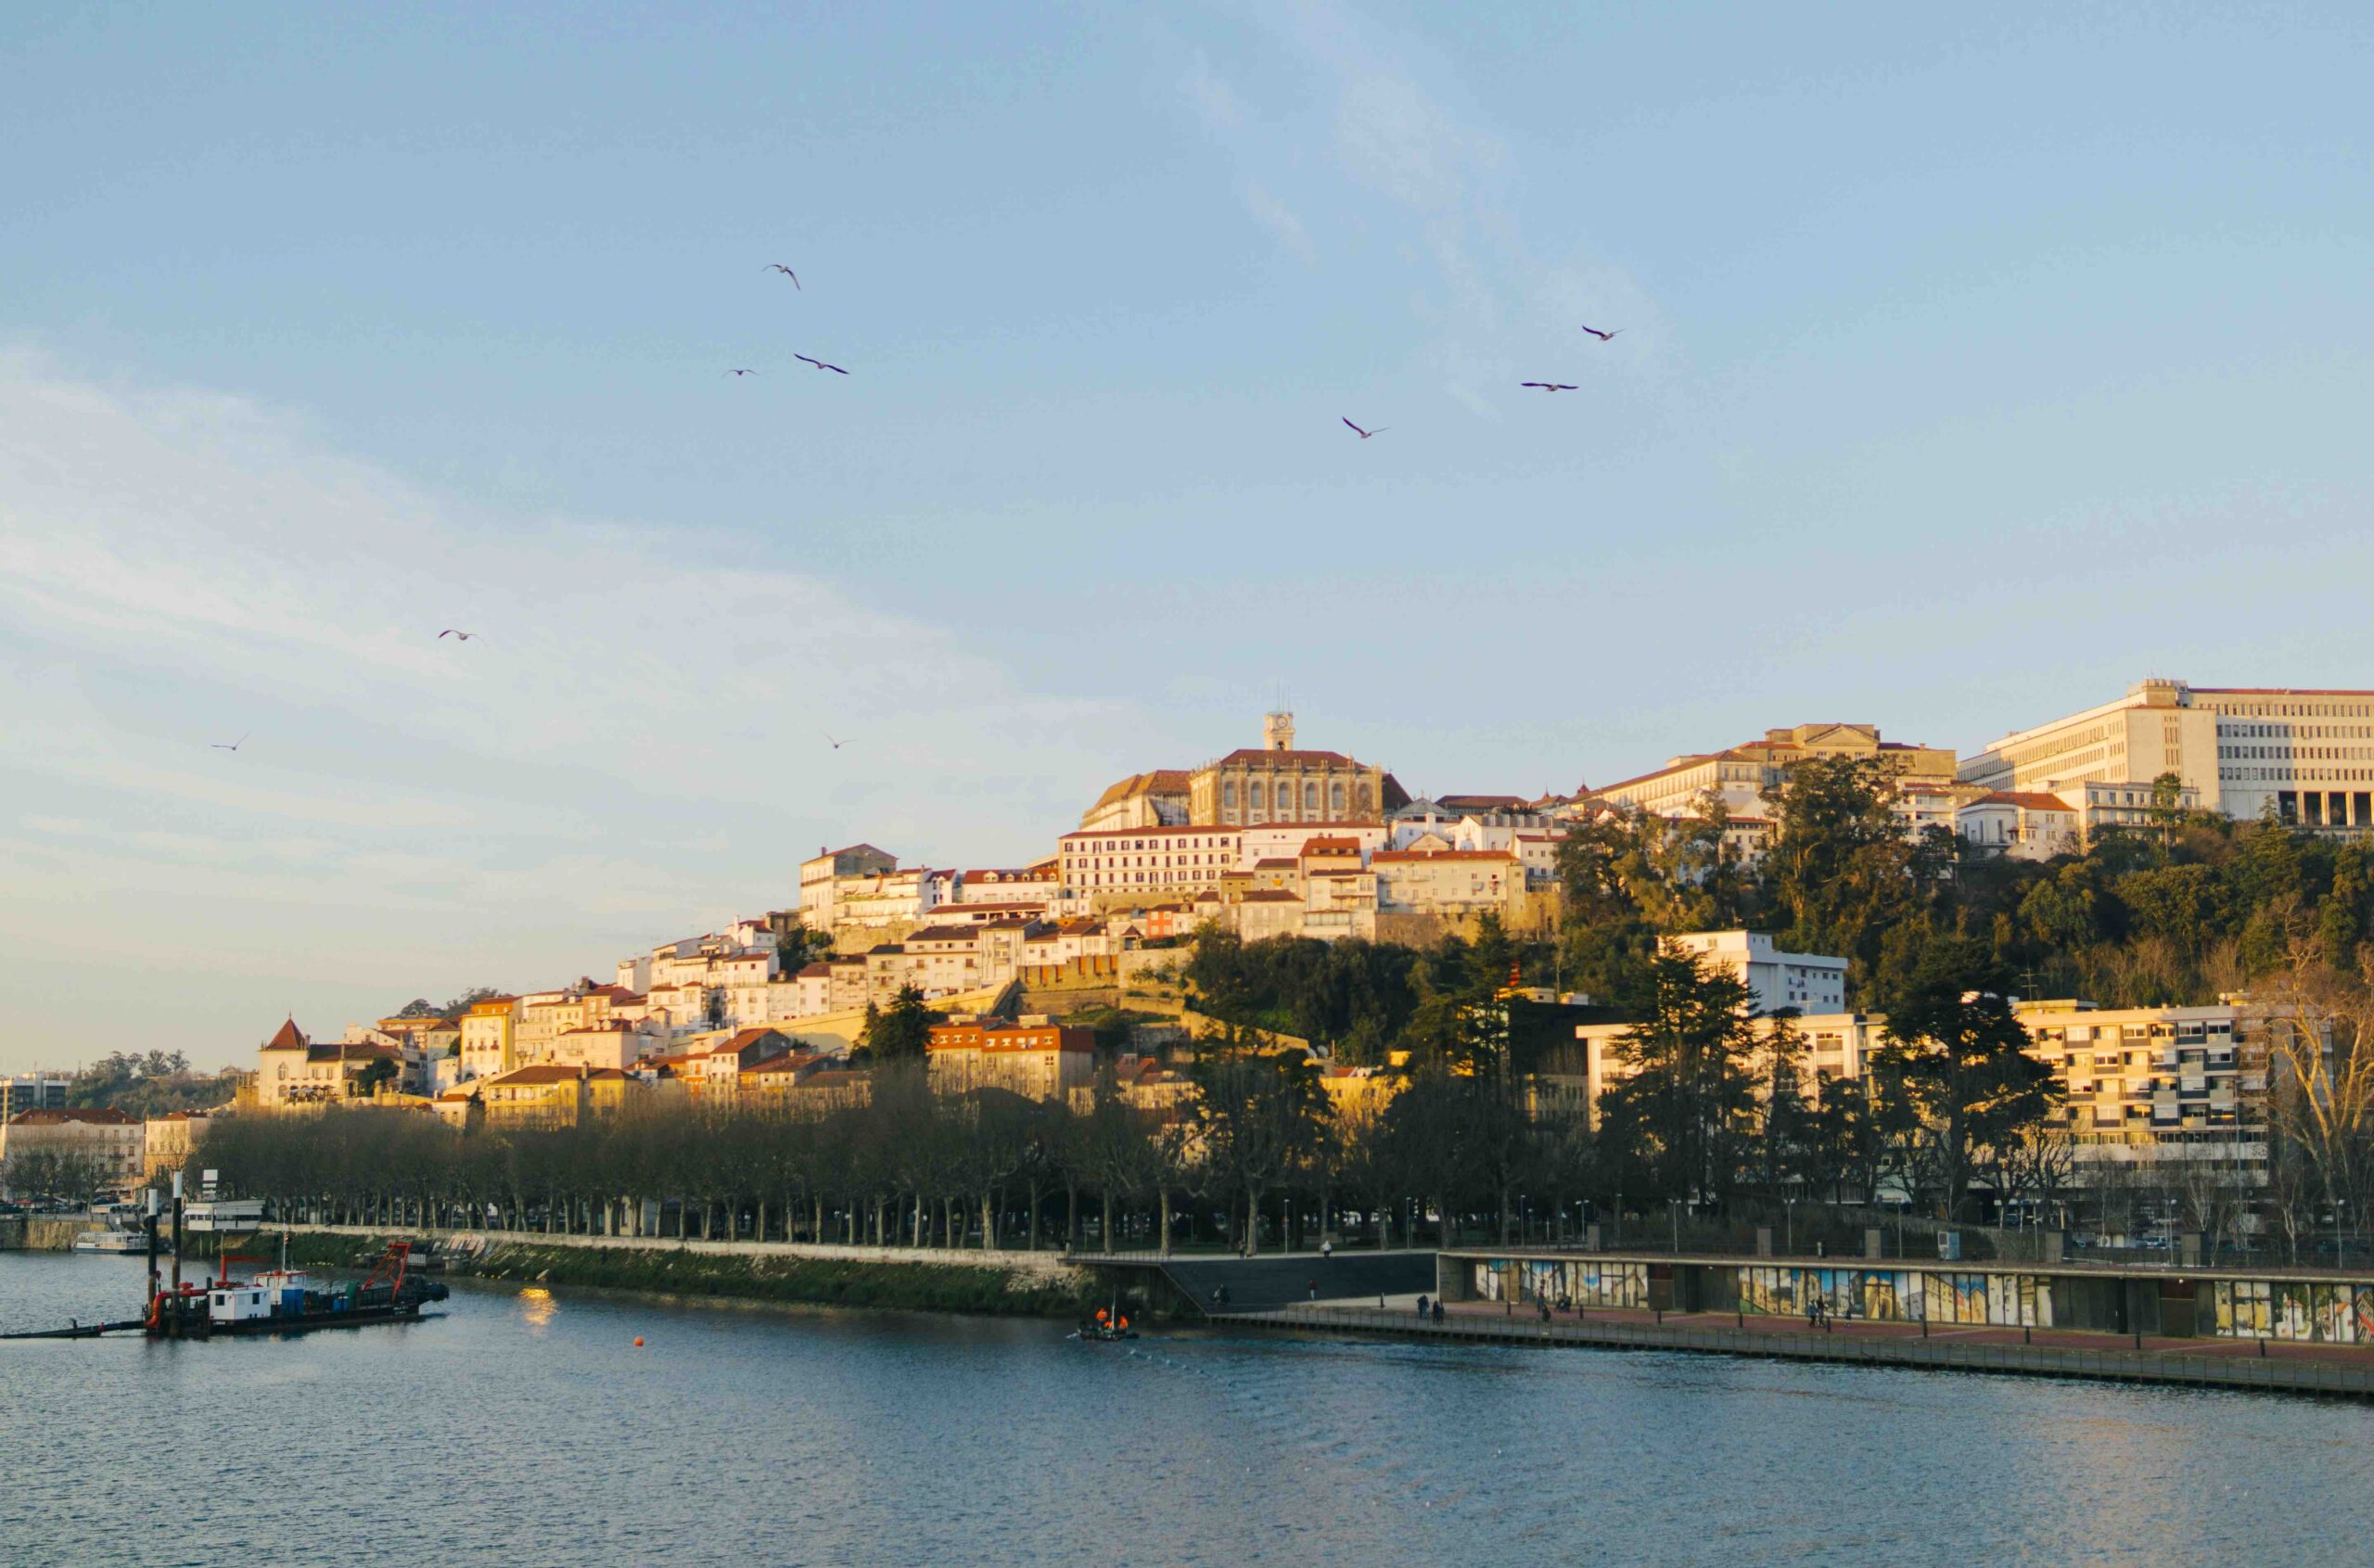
(831, 1437)
(537, 1308)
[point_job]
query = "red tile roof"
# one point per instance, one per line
(98, 1116)
(1420, 854)
(288, 1037)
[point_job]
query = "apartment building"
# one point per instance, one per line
(1143, 862)
(1033, 1058)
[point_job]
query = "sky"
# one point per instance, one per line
(1974, 364)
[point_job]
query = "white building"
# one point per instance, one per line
(2307, 754)
(1148, 860)
(1808, 982)
(1448, 882)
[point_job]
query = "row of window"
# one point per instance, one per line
(1257, 795)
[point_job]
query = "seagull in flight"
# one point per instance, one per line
(741, 373)
(827, 735)
(452, 631)
(1595, 332)
(1364, 435)
(779, 267)
(218, 745)
(820, 364)
(1551, 386)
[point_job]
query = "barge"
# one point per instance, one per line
(279, 1301)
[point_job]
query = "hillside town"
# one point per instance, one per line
(1071, 976)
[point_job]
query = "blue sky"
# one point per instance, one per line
(1974, 364)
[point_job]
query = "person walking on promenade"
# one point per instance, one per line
(1422, 1306)
(1438, 1311)
(1314, 1290)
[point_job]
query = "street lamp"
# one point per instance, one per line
(1789, 1223)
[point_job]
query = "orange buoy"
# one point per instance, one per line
(638, 1341)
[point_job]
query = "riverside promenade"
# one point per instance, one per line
(2345, 1371)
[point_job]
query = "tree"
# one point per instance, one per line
(1839, 867)
(378, 1070)
(1689, 1087)
(1959, 1059)
(799, 947)
(901, 1031)
(2318, 1036)
(1259, 1115)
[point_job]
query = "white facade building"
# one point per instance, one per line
(1808, 982)
(2308, 755)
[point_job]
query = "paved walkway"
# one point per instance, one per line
(2254, 1364)
(1961, 1334)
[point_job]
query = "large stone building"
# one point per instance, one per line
(1154, 799)
(2308, 755)
(1739, 775)
(1278, 783)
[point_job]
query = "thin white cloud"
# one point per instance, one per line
(632, 746)
(1280, 220)
(1214, 99)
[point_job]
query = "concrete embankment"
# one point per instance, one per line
(1008, 1283)
(2159, 1362)
(41, 1233)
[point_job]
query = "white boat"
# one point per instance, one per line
(115, 1241)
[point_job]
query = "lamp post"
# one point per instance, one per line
(1789, 1226)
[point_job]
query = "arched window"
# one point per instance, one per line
(1253, 794)
(1361, 797)
(1336, 797)
(1228, 795)
(1310, 798)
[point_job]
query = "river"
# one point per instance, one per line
(524, 1427)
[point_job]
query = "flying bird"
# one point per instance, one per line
(1364, 435)
(1551, 386)
(218, 745)
(741, 373)
(1595, 332)
(452, 632)
(820, 364)
(837, 745)
(779, 267)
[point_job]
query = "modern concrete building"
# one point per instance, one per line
(1808, 982)
(30, 1091)
(2308, 755)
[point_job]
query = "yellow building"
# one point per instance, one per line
(167, 1139)
(489, 1037)
(1038, 1061)
(548, 1094)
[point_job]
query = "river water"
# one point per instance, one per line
(524, 1427)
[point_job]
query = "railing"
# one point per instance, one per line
(2283, 1374)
